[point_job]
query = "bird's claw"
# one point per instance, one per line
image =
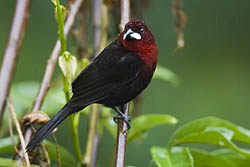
(123, 117)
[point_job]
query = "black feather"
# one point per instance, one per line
(47, 128)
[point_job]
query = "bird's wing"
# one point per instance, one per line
(109, 72)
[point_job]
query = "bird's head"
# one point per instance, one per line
(137, 38)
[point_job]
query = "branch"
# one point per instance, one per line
(19, 131)
(97, 19)
(121, 139)
(93, 136)
(12, 136)
(122, 126)
(17, 32)
(54, 56)
(125, 6)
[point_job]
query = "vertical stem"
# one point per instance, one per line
(75, 137)
(60, 22)
(121, 139)
(92, 143)
(97, 19)
(16, 35)
(122, 126)
(125, 12)
(73, 122)
(93, 136)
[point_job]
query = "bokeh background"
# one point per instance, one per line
(213, 67)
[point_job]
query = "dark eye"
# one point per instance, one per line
(142, 30)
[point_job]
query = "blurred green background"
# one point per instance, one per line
(213, 67)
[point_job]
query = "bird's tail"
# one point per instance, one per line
(47, 128)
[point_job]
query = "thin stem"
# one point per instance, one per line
(122, 126)
(75, 137)
(97, 19)
(93, 137)
(60, 22)
(57, 150)
(66, 88)
(73, 126)
(12, 135)
(16, 35)
(92, 134)
(19, 131)
(125, 11)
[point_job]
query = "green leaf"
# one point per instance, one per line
(203, 159)
(212, 130)
(235, 157)
(178, 157)
(161, 157)
(4, 162)
(166, 74)
(66, 156)
(6, 145)
(143, 123)
(182, 157)
(139, 125)
(218, 158)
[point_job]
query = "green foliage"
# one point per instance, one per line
(206, 124)
(166, 74)
(4, 162)
(177, 157)
(140, 125)
(66, 157)
(6, 145)
(212, 130)
(208, 130)
(219, 158)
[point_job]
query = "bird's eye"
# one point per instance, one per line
(142, 30)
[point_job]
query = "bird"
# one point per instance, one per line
(115, 77)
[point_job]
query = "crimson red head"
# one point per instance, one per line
(136, 37)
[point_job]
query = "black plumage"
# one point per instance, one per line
(115, 77)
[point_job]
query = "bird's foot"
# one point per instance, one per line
(122, 116)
